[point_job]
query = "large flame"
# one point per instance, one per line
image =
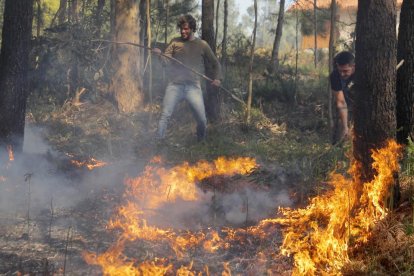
(319, 235)
(155, 187)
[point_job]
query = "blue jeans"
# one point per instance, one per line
(176, 92)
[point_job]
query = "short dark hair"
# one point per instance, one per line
(187, 19)
(344, 57)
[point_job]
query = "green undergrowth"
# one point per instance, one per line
(292, 137)
(295, 138)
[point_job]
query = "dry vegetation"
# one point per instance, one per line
(289, 141)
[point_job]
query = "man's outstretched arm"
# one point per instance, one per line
(343, 113)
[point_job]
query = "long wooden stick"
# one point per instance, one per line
(175, 60)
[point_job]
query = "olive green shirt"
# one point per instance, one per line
(195, 54)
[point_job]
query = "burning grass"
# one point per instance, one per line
(90, 164)
(320, 237)
(155, 188)
(332, 235)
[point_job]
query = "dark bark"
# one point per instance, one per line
(375, 81)
(332, 41)
(98, 16)
(213, 98)
(207, 20)
(61, 13)
(112, 19)
(74, 11)
(224, 41)
(149, 39)
(405, 74)
(39, 17)
(278, 36)
(217, 22)
(14, 69)
(295, 90)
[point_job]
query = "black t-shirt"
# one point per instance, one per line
(338, 84)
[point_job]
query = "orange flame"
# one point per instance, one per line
(89, 164)
(10, 151)
(113, 263)
(155, 187)
(318, 236)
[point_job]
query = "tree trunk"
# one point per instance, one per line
(149, 38)
(126, 82)
(278, 36)
(167, 15)
(375, 81)
(295, 90)
(250, 82)
(332, 41)
(14, 68)
(224, 41)
(39, 18)
(207, 20)
(143, 23)
(74, 11)
(315, 29)
(61, 13)
(112, 19)
(405, 74)
(98, 16)
(212, 97)
(217, 22)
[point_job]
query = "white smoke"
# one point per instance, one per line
(41, 178)
(235, 209)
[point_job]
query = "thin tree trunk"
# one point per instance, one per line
(39, 18)
(167, 15)
(149, 39)
(217, 22)
(74, 11)
(98, 16)
(332, 41)
(60, 15)
(295, 91)
(250, 83)
(405, 75)
(62, 11)
(14, 69)
(315, 29)
(212, 98)
(112, 20)
(278, 36)
(224, 41)
(143, 24)
(375, 81)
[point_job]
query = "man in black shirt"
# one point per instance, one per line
(341, 83)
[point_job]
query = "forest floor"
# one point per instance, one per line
(54, 208)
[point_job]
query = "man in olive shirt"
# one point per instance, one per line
(183, 84)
